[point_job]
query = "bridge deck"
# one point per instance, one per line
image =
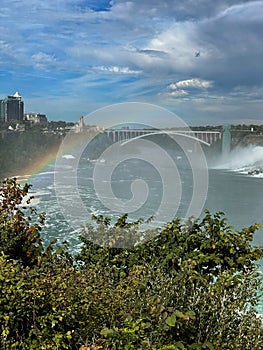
(207, 137)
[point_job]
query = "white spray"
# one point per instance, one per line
(243, 159)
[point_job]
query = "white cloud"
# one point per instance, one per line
(43, 61)
(179, 89)
(177, 93)
(180, 42)
(246, 12)
(116, 69)
(191, 83)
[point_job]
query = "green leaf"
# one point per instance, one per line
(171, 321)
(106, 332)
(179, 314)
(209, 346)
(180, 345)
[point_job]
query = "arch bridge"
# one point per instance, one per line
(124, 135)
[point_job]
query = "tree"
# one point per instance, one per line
(19, 237)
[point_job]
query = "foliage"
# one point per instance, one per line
(59, 125)
(186, 287)
(20, 150)
(19, 238)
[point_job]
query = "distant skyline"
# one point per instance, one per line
(200, 59)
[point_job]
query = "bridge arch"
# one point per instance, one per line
(165, 132)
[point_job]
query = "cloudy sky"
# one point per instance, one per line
(202, 59)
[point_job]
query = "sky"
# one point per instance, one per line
(201, 59)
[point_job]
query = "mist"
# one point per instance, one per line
(241, 159)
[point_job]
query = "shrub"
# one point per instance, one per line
(190, 286)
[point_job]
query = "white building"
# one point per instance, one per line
(36, 118)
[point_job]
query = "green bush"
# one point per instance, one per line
(190, 286)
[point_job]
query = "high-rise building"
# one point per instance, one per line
(12, 108)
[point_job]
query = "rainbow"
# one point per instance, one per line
(39, 165)
(70, 145)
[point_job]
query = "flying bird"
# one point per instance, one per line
(197, 53)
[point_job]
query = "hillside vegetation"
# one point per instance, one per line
(20, 150)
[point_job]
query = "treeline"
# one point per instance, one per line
(20, 150)
(184, 286)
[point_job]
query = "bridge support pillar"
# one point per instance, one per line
(226, 140)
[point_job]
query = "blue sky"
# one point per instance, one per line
(201, 59)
